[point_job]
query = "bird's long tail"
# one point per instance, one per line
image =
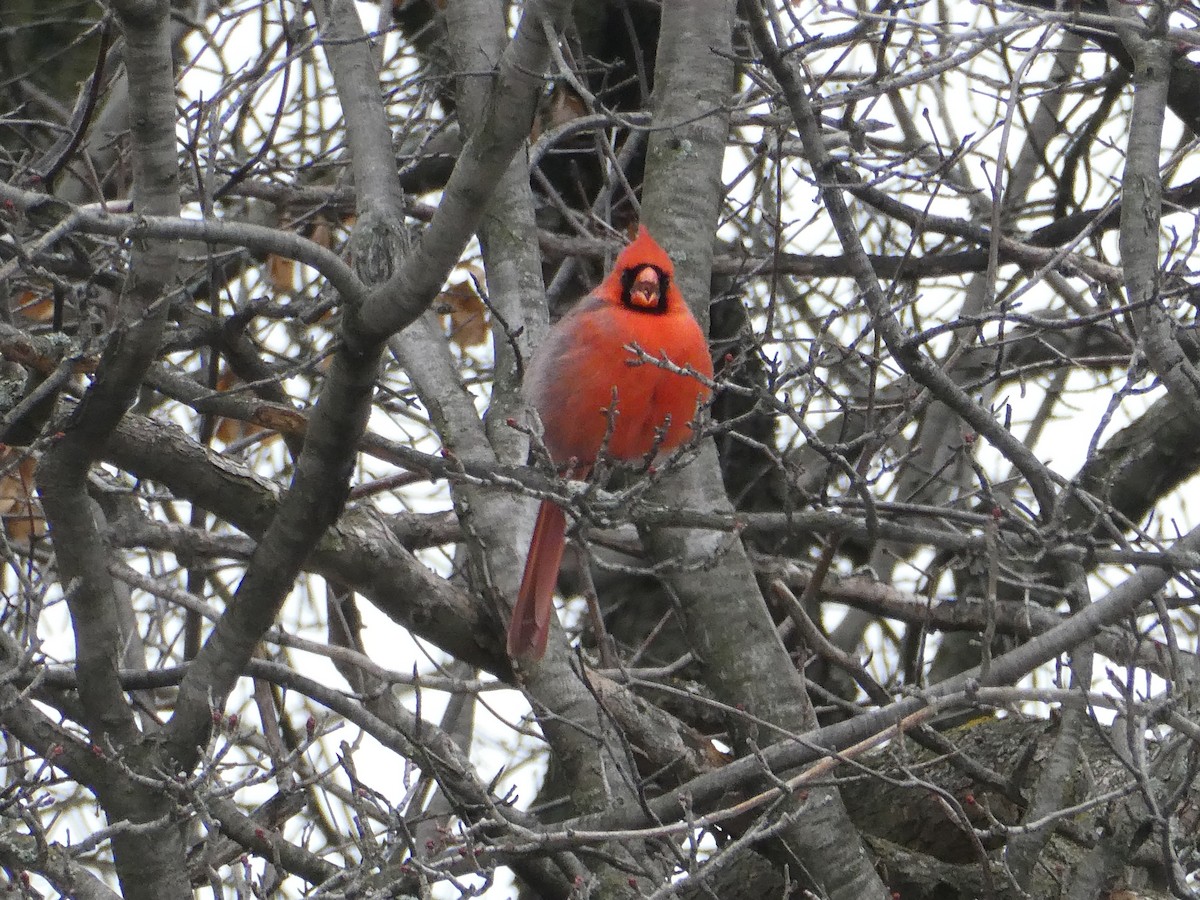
(531, 616)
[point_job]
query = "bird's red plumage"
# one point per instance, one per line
(571, 382)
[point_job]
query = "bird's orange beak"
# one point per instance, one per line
(646, 289)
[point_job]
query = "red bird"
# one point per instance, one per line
(582, 377)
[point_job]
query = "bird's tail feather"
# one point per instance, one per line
(530, 627)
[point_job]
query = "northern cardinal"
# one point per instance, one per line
(591, 394)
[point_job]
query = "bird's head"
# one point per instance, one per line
(643, 277)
